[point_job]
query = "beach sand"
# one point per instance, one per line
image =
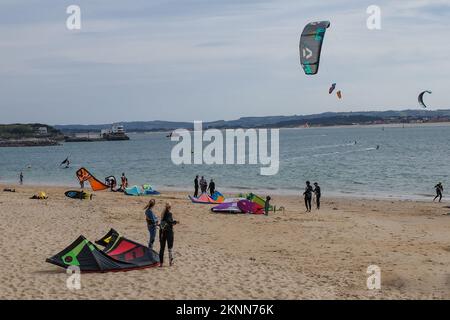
(286, 255)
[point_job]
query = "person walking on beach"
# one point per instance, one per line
(152, 222)
(21, 177)
(203, 184)
(317, 193)
(166, 234)
(212, 187)
(439, 189)
(308, 196)
(124, 181)
(196, 186)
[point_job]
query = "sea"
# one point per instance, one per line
(345, 161)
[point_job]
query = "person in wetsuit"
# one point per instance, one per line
(318, 194)
(439, 189)
(124, 181)
(166, 234)
(152, 222)
(308, 196)
(196, 186)
(212, 187)
(267, 206)
(203, 184)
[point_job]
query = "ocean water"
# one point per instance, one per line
(409, 162)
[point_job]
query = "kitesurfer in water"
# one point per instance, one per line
(439, 189)
(318, 194)
(212, 187)
(196, 186)
(152, 222)
(166, 234)
(308, 196)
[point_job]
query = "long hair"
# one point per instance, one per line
(166, 209)
(150, 204)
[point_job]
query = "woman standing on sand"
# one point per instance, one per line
(166, 234)
(152, 222)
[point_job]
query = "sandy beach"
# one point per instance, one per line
(287, 255)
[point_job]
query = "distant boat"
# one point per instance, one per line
(116, 132)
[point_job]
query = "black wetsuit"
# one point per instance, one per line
(196, 187)
(166, 235)
(203, 185)
(212, 188)
(318, 194)
(308, 197)
(439, 190)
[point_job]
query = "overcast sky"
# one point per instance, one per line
(215, 59)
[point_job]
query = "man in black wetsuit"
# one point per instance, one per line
(203, 184)
(308, 196)
(439, 189)
(212, 187)
(196, 186)
(318, 194)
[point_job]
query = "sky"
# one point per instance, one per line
(188, 60)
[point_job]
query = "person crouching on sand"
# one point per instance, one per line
(152, 222)
(166, 234)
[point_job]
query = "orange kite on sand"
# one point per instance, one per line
(84, 175)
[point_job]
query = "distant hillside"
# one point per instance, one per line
(34, 134)
(31, 130)
(321, 119)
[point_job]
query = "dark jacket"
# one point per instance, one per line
(167, 222)
(308, 191)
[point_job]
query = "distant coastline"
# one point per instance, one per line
(327, 119)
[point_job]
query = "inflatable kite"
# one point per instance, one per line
(144, 190)
(204, 198)
(119, 254)
(84, 175)
(227, 207)
(78, 194)
(420, 98)
(311, 45)
(333, 86)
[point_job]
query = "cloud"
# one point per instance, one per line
(204, 59)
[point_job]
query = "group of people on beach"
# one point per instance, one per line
(204, 186)
(165, 225)
(308, 194)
